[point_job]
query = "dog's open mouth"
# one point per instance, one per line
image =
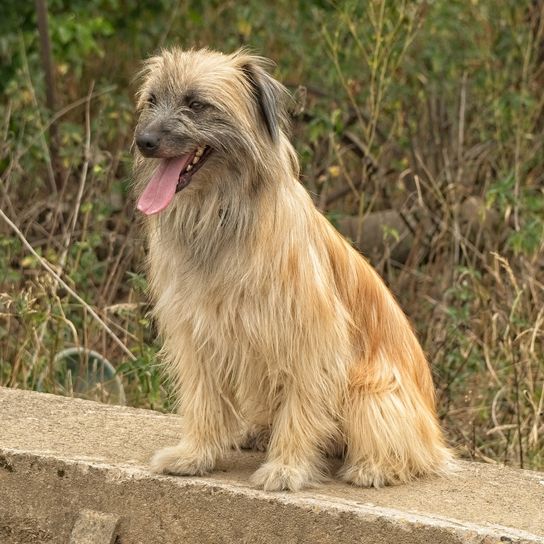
(171, 176)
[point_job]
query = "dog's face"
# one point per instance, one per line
(201, 112)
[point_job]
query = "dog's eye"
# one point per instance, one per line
(152, 100)
(195, 105)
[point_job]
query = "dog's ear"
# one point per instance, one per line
(269, 95)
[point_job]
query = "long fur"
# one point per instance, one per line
(271, 322)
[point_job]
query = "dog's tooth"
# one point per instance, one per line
(199, 151)
(189, 168)
(196, 158)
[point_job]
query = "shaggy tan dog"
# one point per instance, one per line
(272, 324)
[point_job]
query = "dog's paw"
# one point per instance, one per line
(180, 461)
(274, 476)
(365, 476)
(256, 438)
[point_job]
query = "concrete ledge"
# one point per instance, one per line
(63, 459)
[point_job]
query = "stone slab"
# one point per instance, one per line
(61, 456)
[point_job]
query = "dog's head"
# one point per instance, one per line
(201, 112)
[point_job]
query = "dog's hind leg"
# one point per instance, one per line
(392, 434)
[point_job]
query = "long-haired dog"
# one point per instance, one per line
(276, 332)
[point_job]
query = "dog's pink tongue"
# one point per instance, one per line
(162, 187)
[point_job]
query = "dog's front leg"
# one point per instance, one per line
(210, 423)
(301, 427)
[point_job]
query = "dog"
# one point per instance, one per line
(276, 332)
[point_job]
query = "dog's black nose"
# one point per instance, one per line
(148, 142)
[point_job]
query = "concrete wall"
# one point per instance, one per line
(75, 471)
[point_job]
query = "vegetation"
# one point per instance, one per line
(430, 108)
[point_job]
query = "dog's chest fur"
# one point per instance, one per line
(236, 302)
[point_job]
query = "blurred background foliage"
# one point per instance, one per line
(420, 131)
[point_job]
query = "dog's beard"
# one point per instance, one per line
(171, 176)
